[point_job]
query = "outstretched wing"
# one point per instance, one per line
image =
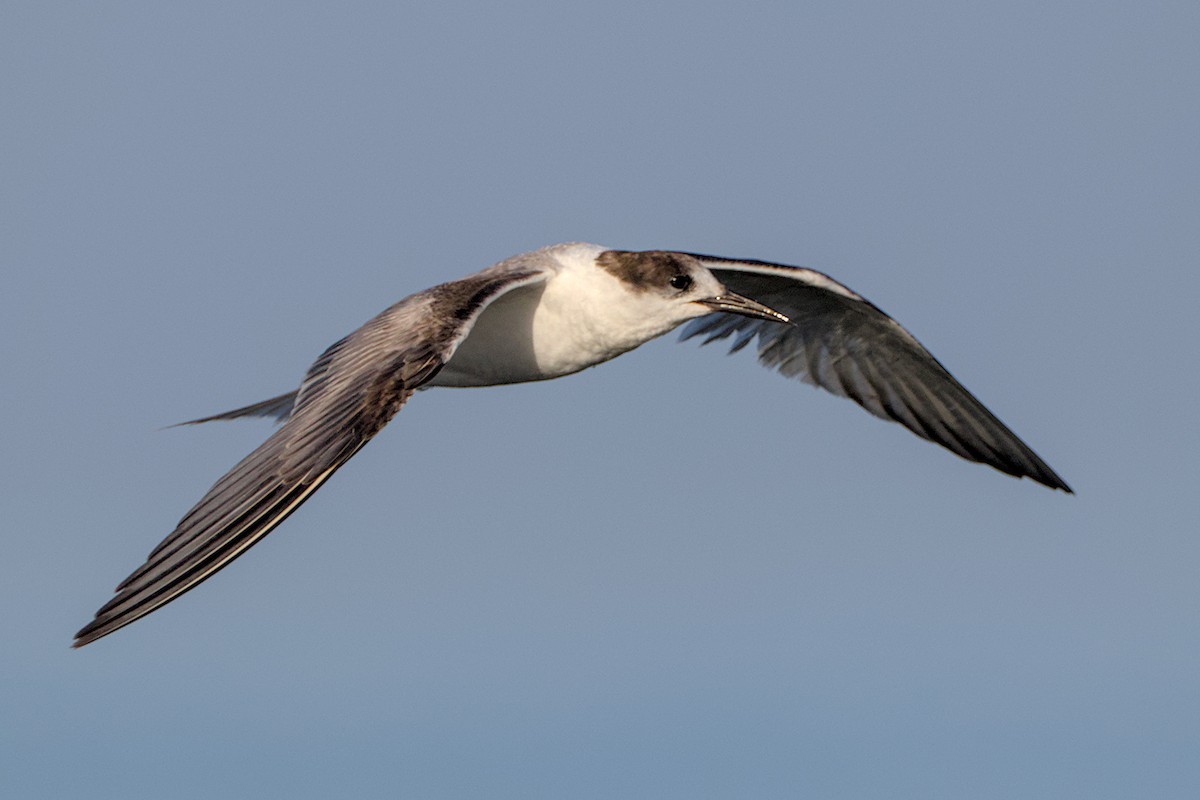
(349, 394)
(841, 342)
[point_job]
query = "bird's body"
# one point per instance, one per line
(579, 317)
(542, 315)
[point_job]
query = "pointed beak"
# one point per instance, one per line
(736, 304)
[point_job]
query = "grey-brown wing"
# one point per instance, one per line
(349, 394)
(843, 343)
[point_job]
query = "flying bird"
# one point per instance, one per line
(542, 315)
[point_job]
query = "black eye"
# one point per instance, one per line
(681, 282)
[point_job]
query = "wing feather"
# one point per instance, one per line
(348, 395)
(843, 343)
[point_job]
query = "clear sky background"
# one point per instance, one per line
(676, 575)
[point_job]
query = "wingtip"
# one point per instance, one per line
(86, 635)
(1063, 487)
(98, 628)
(1049, 478)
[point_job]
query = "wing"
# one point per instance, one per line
(349, 394)
(841, 342)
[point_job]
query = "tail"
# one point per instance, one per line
(278, 407)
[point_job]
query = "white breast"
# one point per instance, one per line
(580, 317)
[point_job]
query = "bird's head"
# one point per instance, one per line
(677, 287)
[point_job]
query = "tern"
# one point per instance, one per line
(542, 315)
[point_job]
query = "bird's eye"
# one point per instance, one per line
(681, 282)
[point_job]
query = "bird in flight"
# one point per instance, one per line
(542, 315)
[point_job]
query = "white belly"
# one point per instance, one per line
(573, 321)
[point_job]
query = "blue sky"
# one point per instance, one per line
(676, 575)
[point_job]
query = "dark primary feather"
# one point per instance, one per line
(843, 343)
(349, 394)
